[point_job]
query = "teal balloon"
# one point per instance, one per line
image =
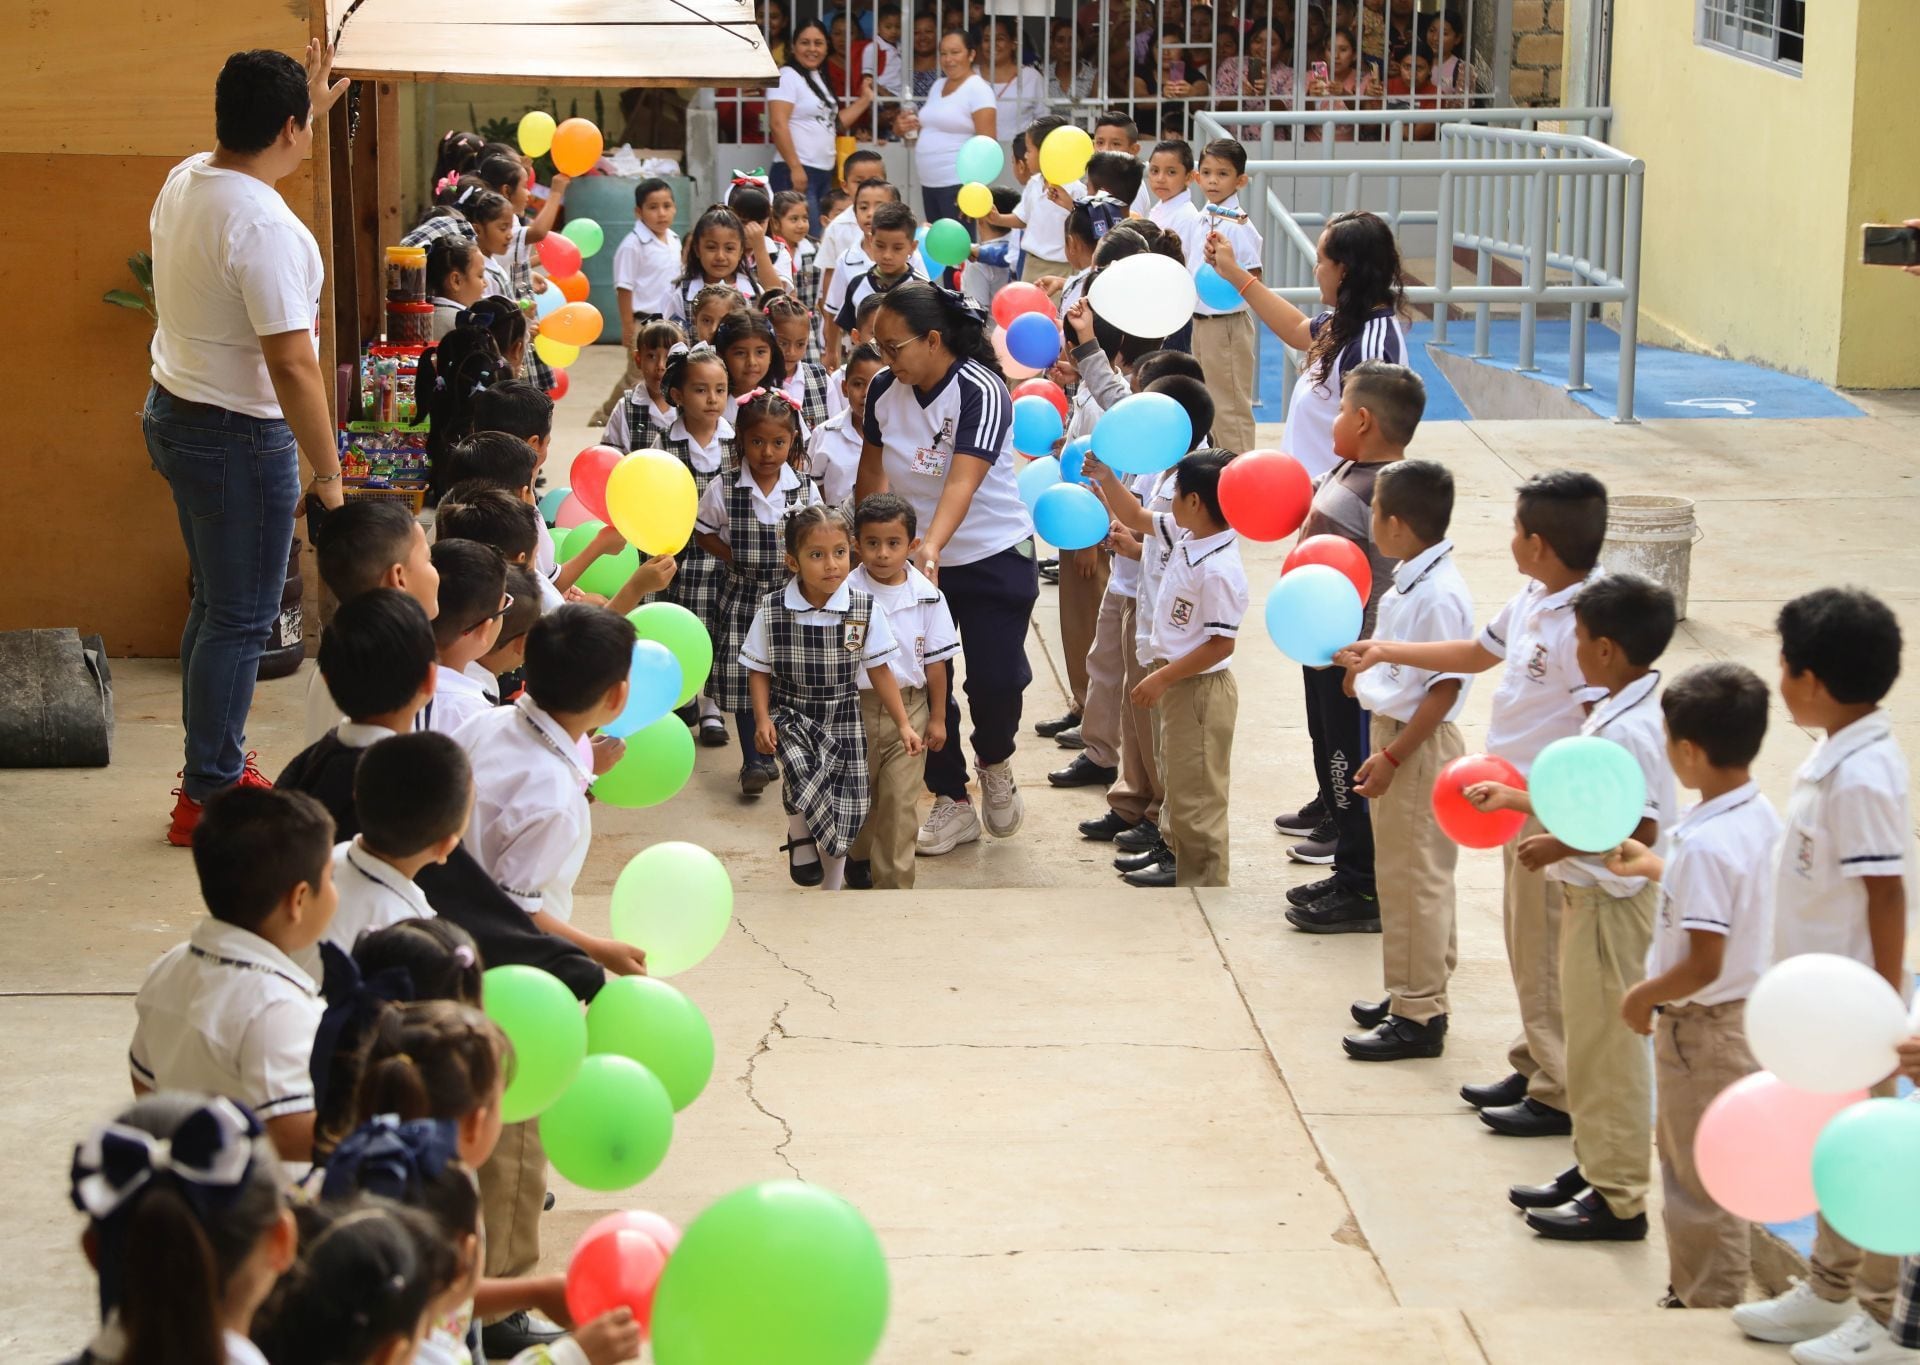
(1588, 792)
(543, 1022)
(780, 1272)
(1866, 1174)
(1313, 612)
(1070, 517)
(657, 764)
(585, 234)
(948, 243)
(981, 159)
(652, 684)
(1214, 290)
(682, 633)
(658, 1027)
(1036, 479)
(612, 1128)
(1143, 434)
(1036, 425)
(550, 504)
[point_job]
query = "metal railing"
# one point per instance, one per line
(1562, 208)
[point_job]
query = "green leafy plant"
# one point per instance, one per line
(141, 264)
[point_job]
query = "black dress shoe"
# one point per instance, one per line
(1338, 912)
(1395, 1038)
(1511, 1090)
(1107, 827)
(1136, 862)
(1083, 772)
(713, 735)
(1160, 874)
(507, 1338)
(1529, 1118)
(1047, 729)
(859, 874)
(1587, 1219)
(1370, 1013)
(1140, 838)
(1554, 1193)
(1309, 892)
(804, 874)
(756, 778)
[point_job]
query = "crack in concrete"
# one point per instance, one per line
(805, 979)
(1017, 1047)
(774, 1030)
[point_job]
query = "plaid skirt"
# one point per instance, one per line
(738, 599)
(823, 766)
(696, 585)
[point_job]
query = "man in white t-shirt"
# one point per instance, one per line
(237, 393)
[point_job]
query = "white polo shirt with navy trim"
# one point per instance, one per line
(1202, 591)
(1542, 695)
(373, 894)
(1719, 880)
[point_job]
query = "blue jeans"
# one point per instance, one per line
(235, 481)
(819, 180)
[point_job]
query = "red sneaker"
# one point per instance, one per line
(186, 817)
(250, 774)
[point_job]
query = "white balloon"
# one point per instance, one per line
(1825, 1023)
(1145, 295)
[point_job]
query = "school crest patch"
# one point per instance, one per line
(856, 636)
(1537, 663)
(1181, 613)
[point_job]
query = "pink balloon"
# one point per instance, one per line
(588, 477)
(572, 513)
(1754, 1147)
(1010, 367)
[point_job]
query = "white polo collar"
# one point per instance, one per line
(1719, 805)
(357, 736)
(386, 874)
(1197, 550)
(477, 671)
(795, 600)
(787, 482)
(1408, 572)
(556, 739)
(460, 681)
(229, 945)
(1628, 697)
(1555, 601)
(678, 432)
(1836, 749)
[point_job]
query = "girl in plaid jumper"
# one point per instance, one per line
(645, 407)
(747, 344)
(790, 225)
(801, 655)
(740, 524)
(806, 382)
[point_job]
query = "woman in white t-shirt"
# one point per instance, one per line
(958, 107)
(805, 119)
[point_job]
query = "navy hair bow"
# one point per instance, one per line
(206, 1160)
(386, 1157)
(353, 1003)
(957, 300)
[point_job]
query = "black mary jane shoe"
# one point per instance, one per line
(804, 874)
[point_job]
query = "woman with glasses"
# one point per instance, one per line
(939, 433)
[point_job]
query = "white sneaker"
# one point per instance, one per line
(1797, 1315)
(1857, 1341)
(1004, 808)
(949, 824)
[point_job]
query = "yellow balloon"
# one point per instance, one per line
(651, 501)
(576, 324)
(1064, 155)
(556, 353)
(976, 200)
(536, 132)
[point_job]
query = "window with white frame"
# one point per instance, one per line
(1770, 32)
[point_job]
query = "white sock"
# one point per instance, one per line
(710, 710)
(836, 878)
(805, 853)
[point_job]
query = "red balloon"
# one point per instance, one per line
(617, 1264)
(560, 386)
(588, 477)
(1265, 495)
(1462, 821)
(1043, 388)
(559, 255)
(1336, 551)
(1019, 298)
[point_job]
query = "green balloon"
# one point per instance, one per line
(658, 762)
(1866, 1173)
(980, 159)
(685, 637)
(609, 573)
(585, 234)
(1589, 792)
(781, 1271)
(612, 1128)
(543, 1021)
(673, 901)
(573, 541)
(948, 242)
(651, 1022)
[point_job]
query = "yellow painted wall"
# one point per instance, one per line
(1879, 340)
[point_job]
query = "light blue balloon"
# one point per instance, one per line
(1070, 517)
(1866, 1174)
(1037, 478)
(1214, 290)
(1073, 459)
(1036, 425)
(653, 687)
(980, 159)
(1313, 612)
(1588, 791)
(550, 300)
(1143, 434)
(550, 503)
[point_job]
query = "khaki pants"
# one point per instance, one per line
(1224, 347)
(1196, 739)
(513, 1192)
(1698, 1051)
(1138, 793)
(1037, 266)
(1102, 719)
(628, 378)
(1413, 866)
(1079, 613)
(1838, 1269)
(1530, 910)
(1603, 955)
(895, 780)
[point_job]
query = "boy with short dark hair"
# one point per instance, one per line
(1042, 215)
(509, 654)
(473, 598)
(230, 1011)
(892, 249)
(841, 229)
(1115, 131)
(412, 794)
(514, 407)
(1117, 174)
(1223, 337)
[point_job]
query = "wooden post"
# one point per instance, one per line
(384, 148)
(368, 239)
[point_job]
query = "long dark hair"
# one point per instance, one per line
(713, 220)
(743, 325)
(1363, 243)
(450, 376)
(962, 326)
(815, 81)
(502, 317)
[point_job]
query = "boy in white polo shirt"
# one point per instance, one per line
(229, 1012)
(1042, 215)
(412, 795)
(1712, 941)
(885, 532)
(1223, 337)
(473, 599)
(1840, 887)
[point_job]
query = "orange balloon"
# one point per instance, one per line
(577, 145)
(573, 324)
(573, 287)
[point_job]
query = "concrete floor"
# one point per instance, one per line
(1086, 1122)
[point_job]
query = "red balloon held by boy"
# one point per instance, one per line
(1265, 495)
(1018, 298)
(560, 385)
(1335, 551)
(1043, 388)
(1462, 821)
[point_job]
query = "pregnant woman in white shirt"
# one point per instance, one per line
(958, 107)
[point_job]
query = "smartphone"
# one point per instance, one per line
(1317, 71)
(1176, 70)
(1889, 244)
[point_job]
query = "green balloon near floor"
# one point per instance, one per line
(658, 1027)
(543, 1021)
(673, 901)
(658, 762)
(612, 1128)
(781, 1271)
(685, 637)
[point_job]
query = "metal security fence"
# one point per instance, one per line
(1562, 209)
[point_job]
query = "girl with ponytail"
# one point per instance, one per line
(360, 1294)
(465, 363)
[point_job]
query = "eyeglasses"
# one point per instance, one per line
(890, 350)
(506, 605)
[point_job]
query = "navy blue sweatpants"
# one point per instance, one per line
(992, 604)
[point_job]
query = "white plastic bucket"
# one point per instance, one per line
(1653, 536)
